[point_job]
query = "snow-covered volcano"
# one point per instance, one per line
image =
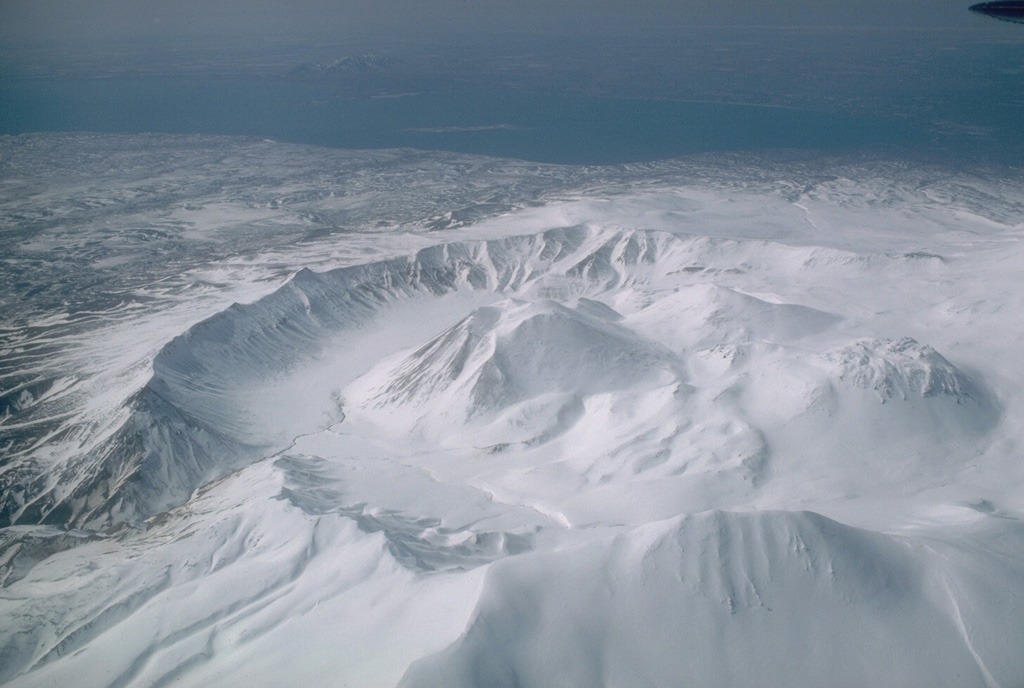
(488, 377)
(676, 433)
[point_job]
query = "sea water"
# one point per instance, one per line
(542, 127)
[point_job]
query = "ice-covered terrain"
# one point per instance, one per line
(273, 415)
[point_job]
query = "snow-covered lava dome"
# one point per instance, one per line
(277, 415)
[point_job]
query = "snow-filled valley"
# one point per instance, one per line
(291, 416)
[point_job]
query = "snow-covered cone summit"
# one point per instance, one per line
(524, 364)
(495, 355)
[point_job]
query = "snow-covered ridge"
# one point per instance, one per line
(721, 598)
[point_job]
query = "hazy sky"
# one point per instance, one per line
(104, 19)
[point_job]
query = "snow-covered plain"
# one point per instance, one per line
(723, 421)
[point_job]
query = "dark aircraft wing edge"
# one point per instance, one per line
(1007, 10)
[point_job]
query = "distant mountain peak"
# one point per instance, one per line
(344, 65)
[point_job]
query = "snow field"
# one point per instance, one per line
(692, 435)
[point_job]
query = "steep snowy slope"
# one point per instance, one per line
(730, 599)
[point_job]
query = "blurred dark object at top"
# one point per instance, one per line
(1007, 10)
